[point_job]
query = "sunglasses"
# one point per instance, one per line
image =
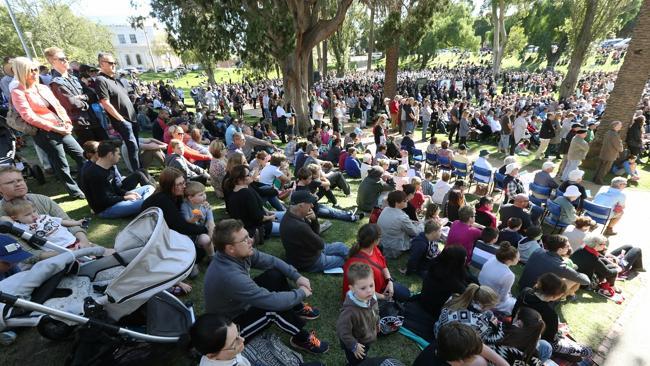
(34, 69)
(110, 63)
(63, 59)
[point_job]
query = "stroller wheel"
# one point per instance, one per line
(38, 174)
(54, 330)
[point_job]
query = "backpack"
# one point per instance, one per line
(267, 349)
(16, 122)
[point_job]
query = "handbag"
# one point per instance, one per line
(16, 122)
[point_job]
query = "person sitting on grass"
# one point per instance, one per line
(253, 304)
(458, 345)
(196, 210)
(105, 197)
(496, 275)
(511, 232)
(306, 182)
(484, 214)
(371, 188)
(543, 297)
(529, 244)
(441, 188)
(576, 233)
(552, 260)
(177, 160)
(366, 250)
(485, 248)
(473, 307)
(396, 226)
(521, 344)
(628, 169)
(358, 322)
(352, 165)
(424, 248)
(300, 234)
(602, 268)
(463, 232)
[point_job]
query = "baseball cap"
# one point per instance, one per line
(298, 197)
(11, 251)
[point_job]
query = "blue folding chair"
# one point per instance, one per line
(431, 159)
(553, 212)
(545, 192)
(444, 163)
(460, 169)
(600, 214)
(499, 180)
(537, 201)
(417, 155)
(536, 213)
(482, 175)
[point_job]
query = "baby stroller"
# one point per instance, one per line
(8, 152)
(111, 301)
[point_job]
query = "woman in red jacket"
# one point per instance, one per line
(190, 154)
(38, 107)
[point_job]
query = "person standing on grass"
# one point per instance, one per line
(117, 104)
(612, 146)
(253, 303)
(578, 149)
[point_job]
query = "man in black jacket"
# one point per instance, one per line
(68, 90)
(546, 133)
(299, 231)
(104, 196)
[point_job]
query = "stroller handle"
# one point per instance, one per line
(12, 300)
(34, 241)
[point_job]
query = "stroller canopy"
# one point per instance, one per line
(166, 257)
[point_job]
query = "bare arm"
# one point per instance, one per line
(108, 107)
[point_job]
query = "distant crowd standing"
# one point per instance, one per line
(417, 201)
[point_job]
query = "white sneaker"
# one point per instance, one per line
(325, 225)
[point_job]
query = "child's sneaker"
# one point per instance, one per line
(308, 312)
(7, 337)
(312, 345)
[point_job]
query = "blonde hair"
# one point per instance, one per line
(175, 129)
(16, 206)
(483, 295)
(193, 187)
(174, 143)
(416, 181)
(402, 169)
(22, 67)
(216, 149)
(50, 52)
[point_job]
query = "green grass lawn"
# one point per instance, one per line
(590, 317)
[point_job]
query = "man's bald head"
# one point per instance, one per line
(521, 200)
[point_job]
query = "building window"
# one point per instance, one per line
(133, 39)
(128, 60)
(121, 38)
(138, 59)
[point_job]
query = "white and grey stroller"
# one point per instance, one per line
(120, 295)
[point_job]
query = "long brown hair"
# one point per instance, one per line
(483, 295)
(236, 174)
(525, 337)
(367, 235)
(167, 180)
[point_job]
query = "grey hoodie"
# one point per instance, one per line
(230, 291)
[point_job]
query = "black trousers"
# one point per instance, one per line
(56, 146)
(255, 320)
(633, 257)
(337, 180)
(91, 133)
(136, 178)
(513, 144)
(349, 355)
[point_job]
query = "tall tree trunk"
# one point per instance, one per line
(294, 80)
(499, 36)
(310, 70)
(319, 57)
(209, 70)
(390, 72)
(630, 83)
(325, 58)
(371, 37)
(424, 60)
(580, 50)
(553, 58)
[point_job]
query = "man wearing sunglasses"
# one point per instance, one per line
(68, 90)
(116, 102)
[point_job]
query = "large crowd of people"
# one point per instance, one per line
(413, 202)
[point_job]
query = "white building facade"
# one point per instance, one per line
(136, 48)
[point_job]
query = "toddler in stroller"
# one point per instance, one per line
(8, 153)
(105, 294)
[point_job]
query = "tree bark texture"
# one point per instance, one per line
(580, 50)
(371, 37)
(553, 58)
(630, 83)
(499, 36)
(392, 63)
(324, 59)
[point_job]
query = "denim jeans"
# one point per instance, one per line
(332, 256)
(401, 292)
(544, 350)
(56, 146)
(128, 208)
(333, 213)
(425, 127)
(130, 138)
(504, 142)
(275, 230)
